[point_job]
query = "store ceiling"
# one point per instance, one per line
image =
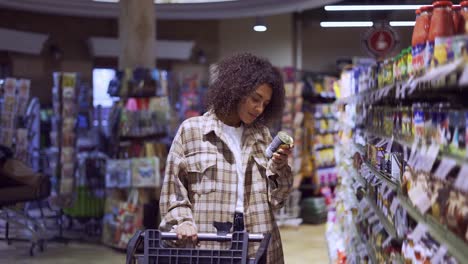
(213, 10)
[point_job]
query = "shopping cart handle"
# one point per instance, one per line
(133, 244)
(212, 237)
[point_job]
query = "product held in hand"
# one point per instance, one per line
(280, 139)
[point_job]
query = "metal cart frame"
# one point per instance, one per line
(154, 250)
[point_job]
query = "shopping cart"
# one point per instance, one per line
(154, 251)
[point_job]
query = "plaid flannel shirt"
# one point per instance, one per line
(200, 184)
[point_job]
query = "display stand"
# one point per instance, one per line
(134, 173)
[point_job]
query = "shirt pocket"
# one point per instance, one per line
(259, 180)
(201, 168)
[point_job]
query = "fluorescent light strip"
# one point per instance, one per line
(370, 7)
(402, 23)
(347, 24)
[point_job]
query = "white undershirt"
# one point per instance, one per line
(233, 137)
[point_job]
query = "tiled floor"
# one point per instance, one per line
(302, 245)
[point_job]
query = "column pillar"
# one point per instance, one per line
(137, 34)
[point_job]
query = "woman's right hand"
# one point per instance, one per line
(187, 232)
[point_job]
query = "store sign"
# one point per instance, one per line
(380, 40)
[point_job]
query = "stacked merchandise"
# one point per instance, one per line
(15, 125)
(293, 117)
(86, 211)
(63, 135)
(410, 160)
(291, 123)
(134, 174)
(192, 96)
(320, 133)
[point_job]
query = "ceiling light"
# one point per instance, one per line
(259, 25)
(260, 28)
(347, 24)
(402, 23)
(370, 7)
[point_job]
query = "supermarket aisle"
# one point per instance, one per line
(305, 244)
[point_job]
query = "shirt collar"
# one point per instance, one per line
(213, 124)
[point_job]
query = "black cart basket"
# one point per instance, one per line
(154, 251)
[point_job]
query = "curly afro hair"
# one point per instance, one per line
(236, 77)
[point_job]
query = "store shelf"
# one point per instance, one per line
(440, 81)
(326, 132)
(318, 148)
(456, 246)
(389, 227)
(325, 117)
(318, 99)
(324, 167)
(383, 176)
(142, 137)
(442, 154)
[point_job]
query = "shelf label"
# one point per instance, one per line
(461, 183)
(464, 77)
(413, 156)
(389, 146)
(418, 232)
(441, 252)
(405, 154)
(445, 166)
(387, 241)
(377, 228)
(394, 206)
(431, 157)
(420, 198)
(421, 157)
(373, 219)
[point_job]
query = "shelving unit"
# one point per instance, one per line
(135, 170)
(389, 227)
(411, 129)
(456, 246)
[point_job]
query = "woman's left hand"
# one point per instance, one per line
(280, 157)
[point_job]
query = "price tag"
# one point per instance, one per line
(389, 146)
(368, 214)
(377, 228)
(431, 156)
(420, 199)
(412, 157)
(412, 86)
(387, 241)
(418, 232)
(464, 77)
(445, 166)
(381, 143)
(399, 87)
(373, 219)
(394, 206)
(362, 205)
(421, 157)
(388, 192)
(438, 257)
(405, 153)
(461, 183)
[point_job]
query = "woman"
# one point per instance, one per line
(217, 169)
